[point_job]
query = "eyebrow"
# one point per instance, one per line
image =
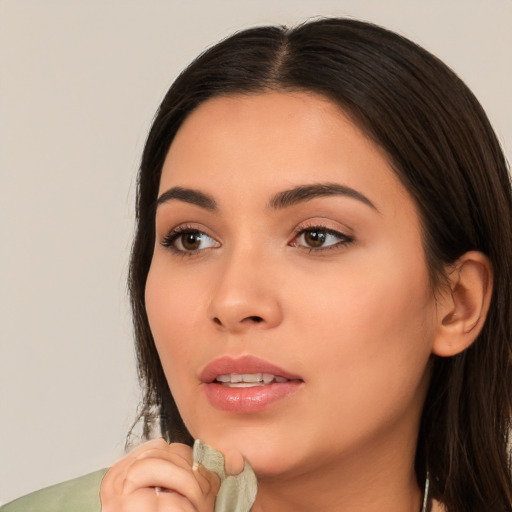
(284, 199)
(188, 195)
(305, 193)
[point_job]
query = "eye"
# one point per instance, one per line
(318, 238)
(186, 240)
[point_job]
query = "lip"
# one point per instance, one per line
(252, 399)
(242, 364)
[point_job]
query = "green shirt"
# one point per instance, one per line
(78, 495)
(236, 493)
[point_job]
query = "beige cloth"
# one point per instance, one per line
(237, 492)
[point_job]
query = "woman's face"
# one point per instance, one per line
(288, 251)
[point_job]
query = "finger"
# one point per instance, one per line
(207, 480)
(155, 499)
(159, 443)
(234, 462)
(176, 453)
(153, 472)
(119, 469)
(173, 502)
(147, 500)
(199, 487)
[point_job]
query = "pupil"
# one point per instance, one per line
(191, 241)
(315, 238)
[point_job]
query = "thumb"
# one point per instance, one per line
(233, 461)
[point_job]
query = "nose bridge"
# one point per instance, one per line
(245, 293)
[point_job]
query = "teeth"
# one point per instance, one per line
(267, 378)
(250, 377)
(246, 380)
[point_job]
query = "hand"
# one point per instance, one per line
(158, 477)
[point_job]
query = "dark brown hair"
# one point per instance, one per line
(442, 147)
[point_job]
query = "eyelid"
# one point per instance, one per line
(168, 240)
(311, 225)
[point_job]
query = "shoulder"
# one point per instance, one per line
(78, 495)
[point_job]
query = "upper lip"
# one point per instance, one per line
(242, 364)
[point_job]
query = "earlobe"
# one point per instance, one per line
(463, 308)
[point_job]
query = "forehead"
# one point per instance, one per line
(280, 139)
(260, 116)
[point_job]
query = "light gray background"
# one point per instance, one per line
(80, 81)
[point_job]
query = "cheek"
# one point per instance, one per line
(384, 295)
(173, 307)
(371, 334)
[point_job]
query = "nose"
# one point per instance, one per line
(245, 295)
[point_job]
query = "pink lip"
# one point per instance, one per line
(246, 400)
(242, 364)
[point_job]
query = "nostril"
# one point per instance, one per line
(255, 319)
(248, 319)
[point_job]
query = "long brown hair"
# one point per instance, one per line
(441, 145)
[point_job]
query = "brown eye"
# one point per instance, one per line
(315, 237)
(190, 241)
(185, 240)
(320, 238)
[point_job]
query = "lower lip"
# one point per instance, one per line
(249, 400)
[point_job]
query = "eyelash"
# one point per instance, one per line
(343, 239)
(169, 241)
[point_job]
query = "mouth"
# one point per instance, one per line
(247, 369)
(248, 380)
(247, 384)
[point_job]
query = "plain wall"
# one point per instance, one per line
(80, 81)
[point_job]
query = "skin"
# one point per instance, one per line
(356, 318)
(142, 481)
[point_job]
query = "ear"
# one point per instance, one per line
(462, 308)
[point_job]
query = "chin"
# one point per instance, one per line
(269, 455)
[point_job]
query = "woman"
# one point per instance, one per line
(320, 281)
